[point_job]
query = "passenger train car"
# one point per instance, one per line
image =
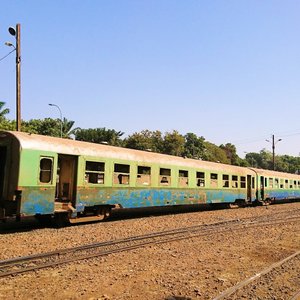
(44, 176)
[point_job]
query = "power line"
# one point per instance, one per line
(7, 55)
(260, 138)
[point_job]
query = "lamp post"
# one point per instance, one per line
(61, 120)
(17, 33)
(273, 148)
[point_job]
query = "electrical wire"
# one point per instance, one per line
(7, 55)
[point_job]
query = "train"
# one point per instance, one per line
(74, 181)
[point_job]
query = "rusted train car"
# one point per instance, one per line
(78, 181)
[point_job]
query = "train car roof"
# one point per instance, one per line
(270, 173)
(73, 147)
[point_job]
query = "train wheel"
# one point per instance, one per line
(104, 213)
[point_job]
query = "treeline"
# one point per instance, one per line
(173, 143)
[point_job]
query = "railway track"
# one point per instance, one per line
(285, 271)
(51, 259)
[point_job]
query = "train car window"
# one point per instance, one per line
(295, 184)
(281, 183)
(266, 182)
(200, 178)
(276, 183)
(253, 182)
(291, 184)
(234, 182)
(225, 180)
(213, 180)
(121, 174)
(286, 184)
(271, 184)
(298, 184)
(164, 176)
(183, 178)
(143, 175)
(46, 165)
(243, 182)
(94, 172)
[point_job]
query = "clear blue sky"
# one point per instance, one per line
(225, 70)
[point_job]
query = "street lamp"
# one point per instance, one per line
(61, 120)
(273, 142)
(17, 33)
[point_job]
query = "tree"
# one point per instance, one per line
(7, 124)
(173, 143)
(3, 111)
(67, 130)
(194, 146)
(145, 140)
(231, 154)
(99, 135)
(215, 153)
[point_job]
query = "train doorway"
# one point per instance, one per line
(249, 190)
(3, 155)
(66, 178)
(262, 188)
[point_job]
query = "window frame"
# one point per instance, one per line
(50, 171)
(89, 172)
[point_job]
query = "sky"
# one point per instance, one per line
(227, 70)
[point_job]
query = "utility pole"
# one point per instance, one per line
(16, 32)
(18, 76)
(273, 148)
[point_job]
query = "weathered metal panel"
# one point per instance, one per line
(37, 200)
(134, 197)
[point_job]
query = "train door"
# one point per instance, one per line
(3, 152)
(262, 187)
(249, 191)
(66, 178)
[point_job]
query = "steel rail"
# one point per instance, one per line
(140, 241)
(247, 281)
(296, 296)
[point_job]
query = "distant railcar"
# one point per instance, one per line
(79, 181)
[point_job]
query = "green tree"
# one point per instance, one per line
(99, 135)
(173, 143)
(145, 140)
(67, 130)
(214, 153)
(231, 154)
(3, 111)
(194, 146)
(7, 124)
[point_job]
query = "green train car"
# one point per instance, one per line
(44, 176)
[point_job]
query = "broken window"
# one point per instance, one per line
(234, 183)
(94, 172)
(243, 182)
(271, 185)
(200, 176)
(183, 178)
(164, 176)
(213, 180)
(281, 183)
(121, 174)
(143, 175)
(286, 184)
(46, 165)
(225, 180)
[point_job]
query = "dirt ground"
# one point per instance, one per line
(197, 268)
